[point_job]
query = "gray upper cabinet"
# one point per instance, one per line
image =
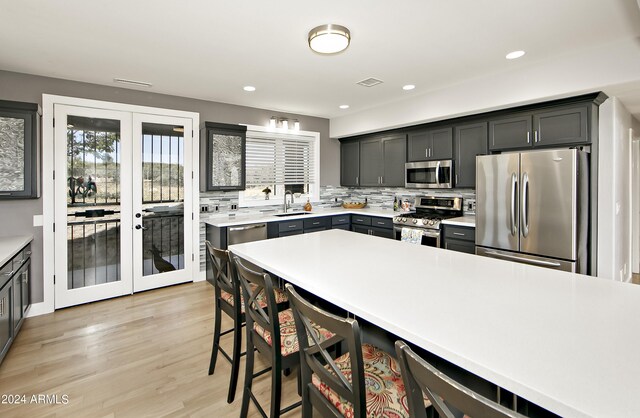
(431, 144)
(469, 141)
(555, 126)
(349, 163)
(395, 156)
(563, 126)
(510, 133)
(371, 162)
(382, 160)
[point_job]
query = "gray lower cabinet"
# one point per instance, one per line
(430, 144)
(459, 238)
(371, 225)
(350, 163)
(6, 325)
(14, 297)
(470, 140)
(382, 160)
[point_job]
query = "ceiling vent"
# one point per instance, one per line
(370, 82)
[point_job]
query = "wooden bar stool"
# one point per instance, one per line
(227, 291)
(449, 398)
(271, 331)
(364, 382)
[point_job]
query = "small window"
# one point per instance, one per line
(279, 162)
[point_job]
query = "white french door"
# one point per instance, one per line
(162, 245)
(123, 203)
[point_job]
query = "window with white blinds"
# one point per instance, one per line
(279, 159)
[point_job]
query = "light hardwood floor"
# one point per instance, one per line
(145, 355)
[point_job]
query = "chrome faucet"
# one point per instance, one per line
(287, 205)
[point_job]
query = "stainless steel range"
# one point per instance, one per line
(430, 211)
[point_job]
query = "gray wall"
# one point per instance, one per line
(17, 216)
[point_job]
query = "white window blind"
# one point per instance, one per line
(279, 158)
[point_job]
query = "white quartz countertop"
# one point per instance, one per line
(466, 220)
(564, 341)
(10, 246)
(226, 220)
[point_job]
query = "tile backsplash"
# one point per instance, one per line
(219, 203)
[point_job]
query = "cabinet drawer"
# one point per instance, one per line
(360, 220)
(289, 233)
(382, 222)
(340, 220)
(290, 225)
(460, 233)
(4, 272)
(314, 223)
(343, 227)
(460, 246)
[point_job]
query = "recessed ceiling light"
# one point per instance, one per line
(249, 88)
(329, 39)
(344, 106)
(408, 87)
(515, 54)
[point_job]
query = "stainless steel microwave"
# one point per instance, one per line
(429, 174)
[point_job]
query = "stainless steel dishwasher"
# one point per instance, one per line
(246, 233)
(240, 234)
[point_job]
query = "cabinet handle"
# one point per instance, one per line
(429, 152)
(28, 252)
(381, 179)
(459, 233)
(535, 135)
(528, 137)
(292, 226)
(9, 273)
(456, 179)
(380, 223)
(357, 180)
(316, 223)
(2, 307)
(426, 152)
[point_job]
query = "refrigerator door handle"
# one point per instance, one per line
(514, 193)
(438, 173)
(523, 259)
(525, 205)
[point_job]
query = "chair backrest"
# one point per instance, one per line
(316, 359)
(221, 271)
(420, 378)
(254, 285)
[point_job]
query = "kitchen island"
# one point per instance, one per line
(564, 341)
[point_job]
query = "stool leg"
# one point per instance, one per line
(216, 339)
(276, 389)
(235, 363)
(248, 377)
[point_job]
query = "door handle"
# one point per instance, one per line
(514, 193)
(141, 227)
(525, 205)
(524, 259)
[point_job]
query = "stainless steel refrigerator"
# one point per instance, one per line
(532, 207)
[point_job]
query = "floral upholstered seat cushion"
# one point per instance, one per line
(385, 392)
(281, 297)
(288, 338)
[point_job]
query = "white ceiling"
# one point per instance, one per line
(210, 49)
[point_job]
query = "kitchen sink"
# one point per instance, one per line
(282, 215)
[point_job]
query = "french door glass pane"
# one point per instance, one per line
(93, 201)
(162, 198)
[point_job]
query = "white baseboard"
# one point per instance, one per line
(40, 308)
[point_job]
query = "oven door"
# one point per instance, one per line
(430, 237)
(429, 174)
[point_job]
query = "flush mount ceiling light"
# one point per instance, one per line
(515, 54)
(249, 88)
(344, 106)
(329, 39)
(408, 87)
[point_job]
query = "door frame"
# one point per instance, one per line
(48, 185)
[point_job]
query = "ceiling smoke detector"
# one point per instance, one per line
(369, 82)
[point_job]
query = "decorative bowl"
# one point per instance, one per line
(354, 205)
